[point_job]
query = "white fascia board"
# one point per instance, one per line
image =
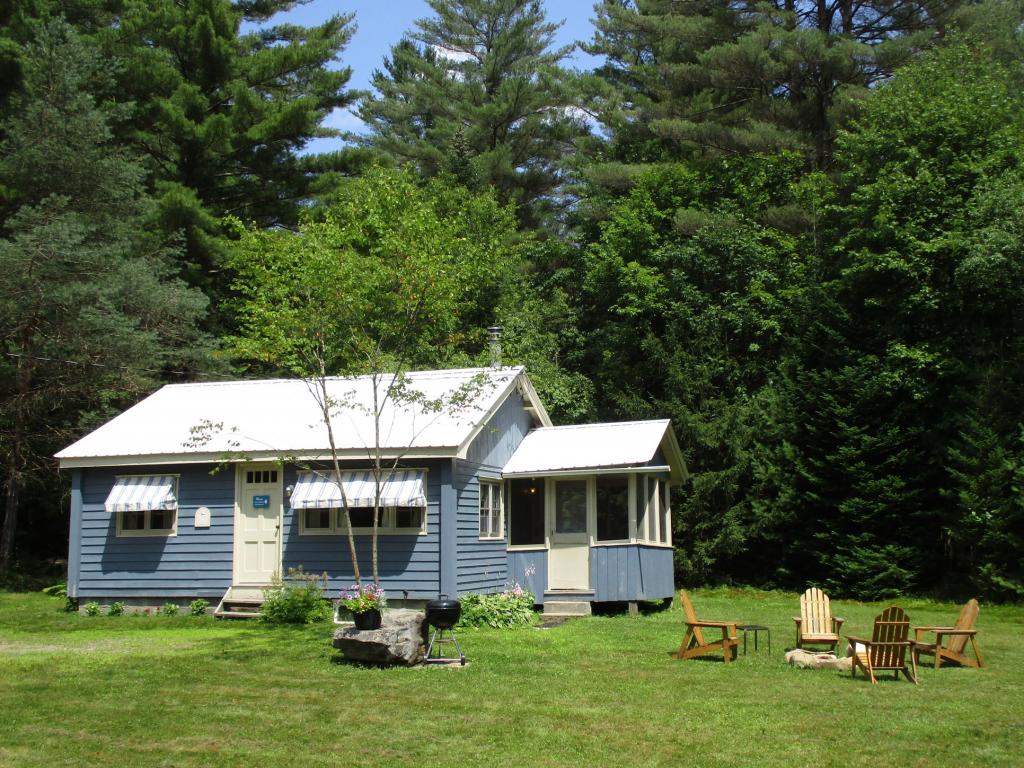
(533, 402)
(640, 468)
(361, 454)
(674, 454)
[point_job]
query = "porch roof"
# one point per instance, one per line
(627, 444)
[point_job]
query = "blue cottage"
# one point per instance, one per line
(214, 490)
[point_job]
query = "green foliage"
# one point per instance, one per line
(92, 608)
(502, 610)
(116, 609)
(390, 276)
(57, 590)
(222, 114)
(168, 609)
(87, 299)
(198, 607)
(478, 91)
(689, 81)
(297, 600)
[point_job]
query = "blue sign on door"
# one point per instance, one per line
(260, 502)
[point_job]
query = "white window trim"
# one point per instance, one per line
(147, 532)
(387, 528)
(494, 488)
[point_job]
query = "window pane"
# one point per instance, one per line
(571, 506)
(526, 512)
(408, 517)
(133, 521)
(161, 519)
(318, 519)
(362, 517)
(612, 508)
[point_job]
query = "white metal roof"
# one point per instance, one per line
(554, 450)
(280, 417)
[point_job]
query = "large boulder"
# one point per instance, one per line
(811, 660)
(401, 639)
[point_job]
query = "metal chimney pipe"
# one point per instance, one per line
(495, 331)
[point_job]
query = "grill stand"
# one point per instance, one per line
(438, 640)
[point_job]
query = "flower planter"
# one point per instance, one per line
(367, 619)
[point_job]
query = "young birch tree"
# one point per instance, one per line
(390, 276)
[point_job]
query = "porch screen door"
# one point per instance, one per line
(569, 558)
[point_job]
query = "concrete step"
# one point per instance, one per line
(567, 608)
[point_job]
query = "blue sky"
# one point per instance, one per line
(381, 24)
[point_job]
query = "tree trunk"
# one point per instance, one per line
(10, 515)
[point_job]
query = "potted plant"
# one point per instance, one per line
(365, 603)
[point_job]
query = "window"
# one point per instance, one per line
(491, 511)
(261, 476)
(526, 512)
(390, 520)
(571, 506)
(612, 508)
(666, 514)
(147, 522)
(653, 509)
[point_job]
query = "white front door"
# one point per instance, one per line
(569, 556)
(258, 524)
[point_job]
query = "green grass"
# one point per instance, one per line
(158, 691)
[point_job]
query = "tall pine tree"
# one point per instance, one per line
(478, 90)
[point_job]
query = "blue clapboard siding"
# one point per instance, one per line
(502, 434)
(620, 573)
(631, 572)
(530, 569)
(196, 562)
(482, 565)
(407, 564)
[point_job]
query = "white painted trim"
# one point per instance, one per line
(146, 533)
(277, 457)
(383, 530)
(517, 382)
(526, 548)
(494, 483)
(588, 472)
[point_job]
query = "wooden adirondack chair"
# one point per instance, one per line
(695, 645)
(816, 625)
(887, 648)
(950, 642)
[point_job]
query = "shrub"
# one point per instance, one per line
(169, 609)
(504, 610)
(298, 600)
(116, 609)
(92, 609)
(198, 607)
(57, 590)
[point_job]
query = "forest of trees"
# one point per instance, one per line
(794, 227)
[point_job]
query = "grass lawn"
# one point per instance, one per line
(155, 691)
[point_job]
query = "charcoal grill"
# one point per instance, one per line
(443, 614)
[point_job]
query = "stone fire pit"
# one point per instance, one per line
(810, 660)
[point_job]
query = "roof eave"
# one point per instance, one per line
(360, 454)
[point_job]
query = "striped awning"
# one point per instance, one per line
(317, 490)
(134, 494)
